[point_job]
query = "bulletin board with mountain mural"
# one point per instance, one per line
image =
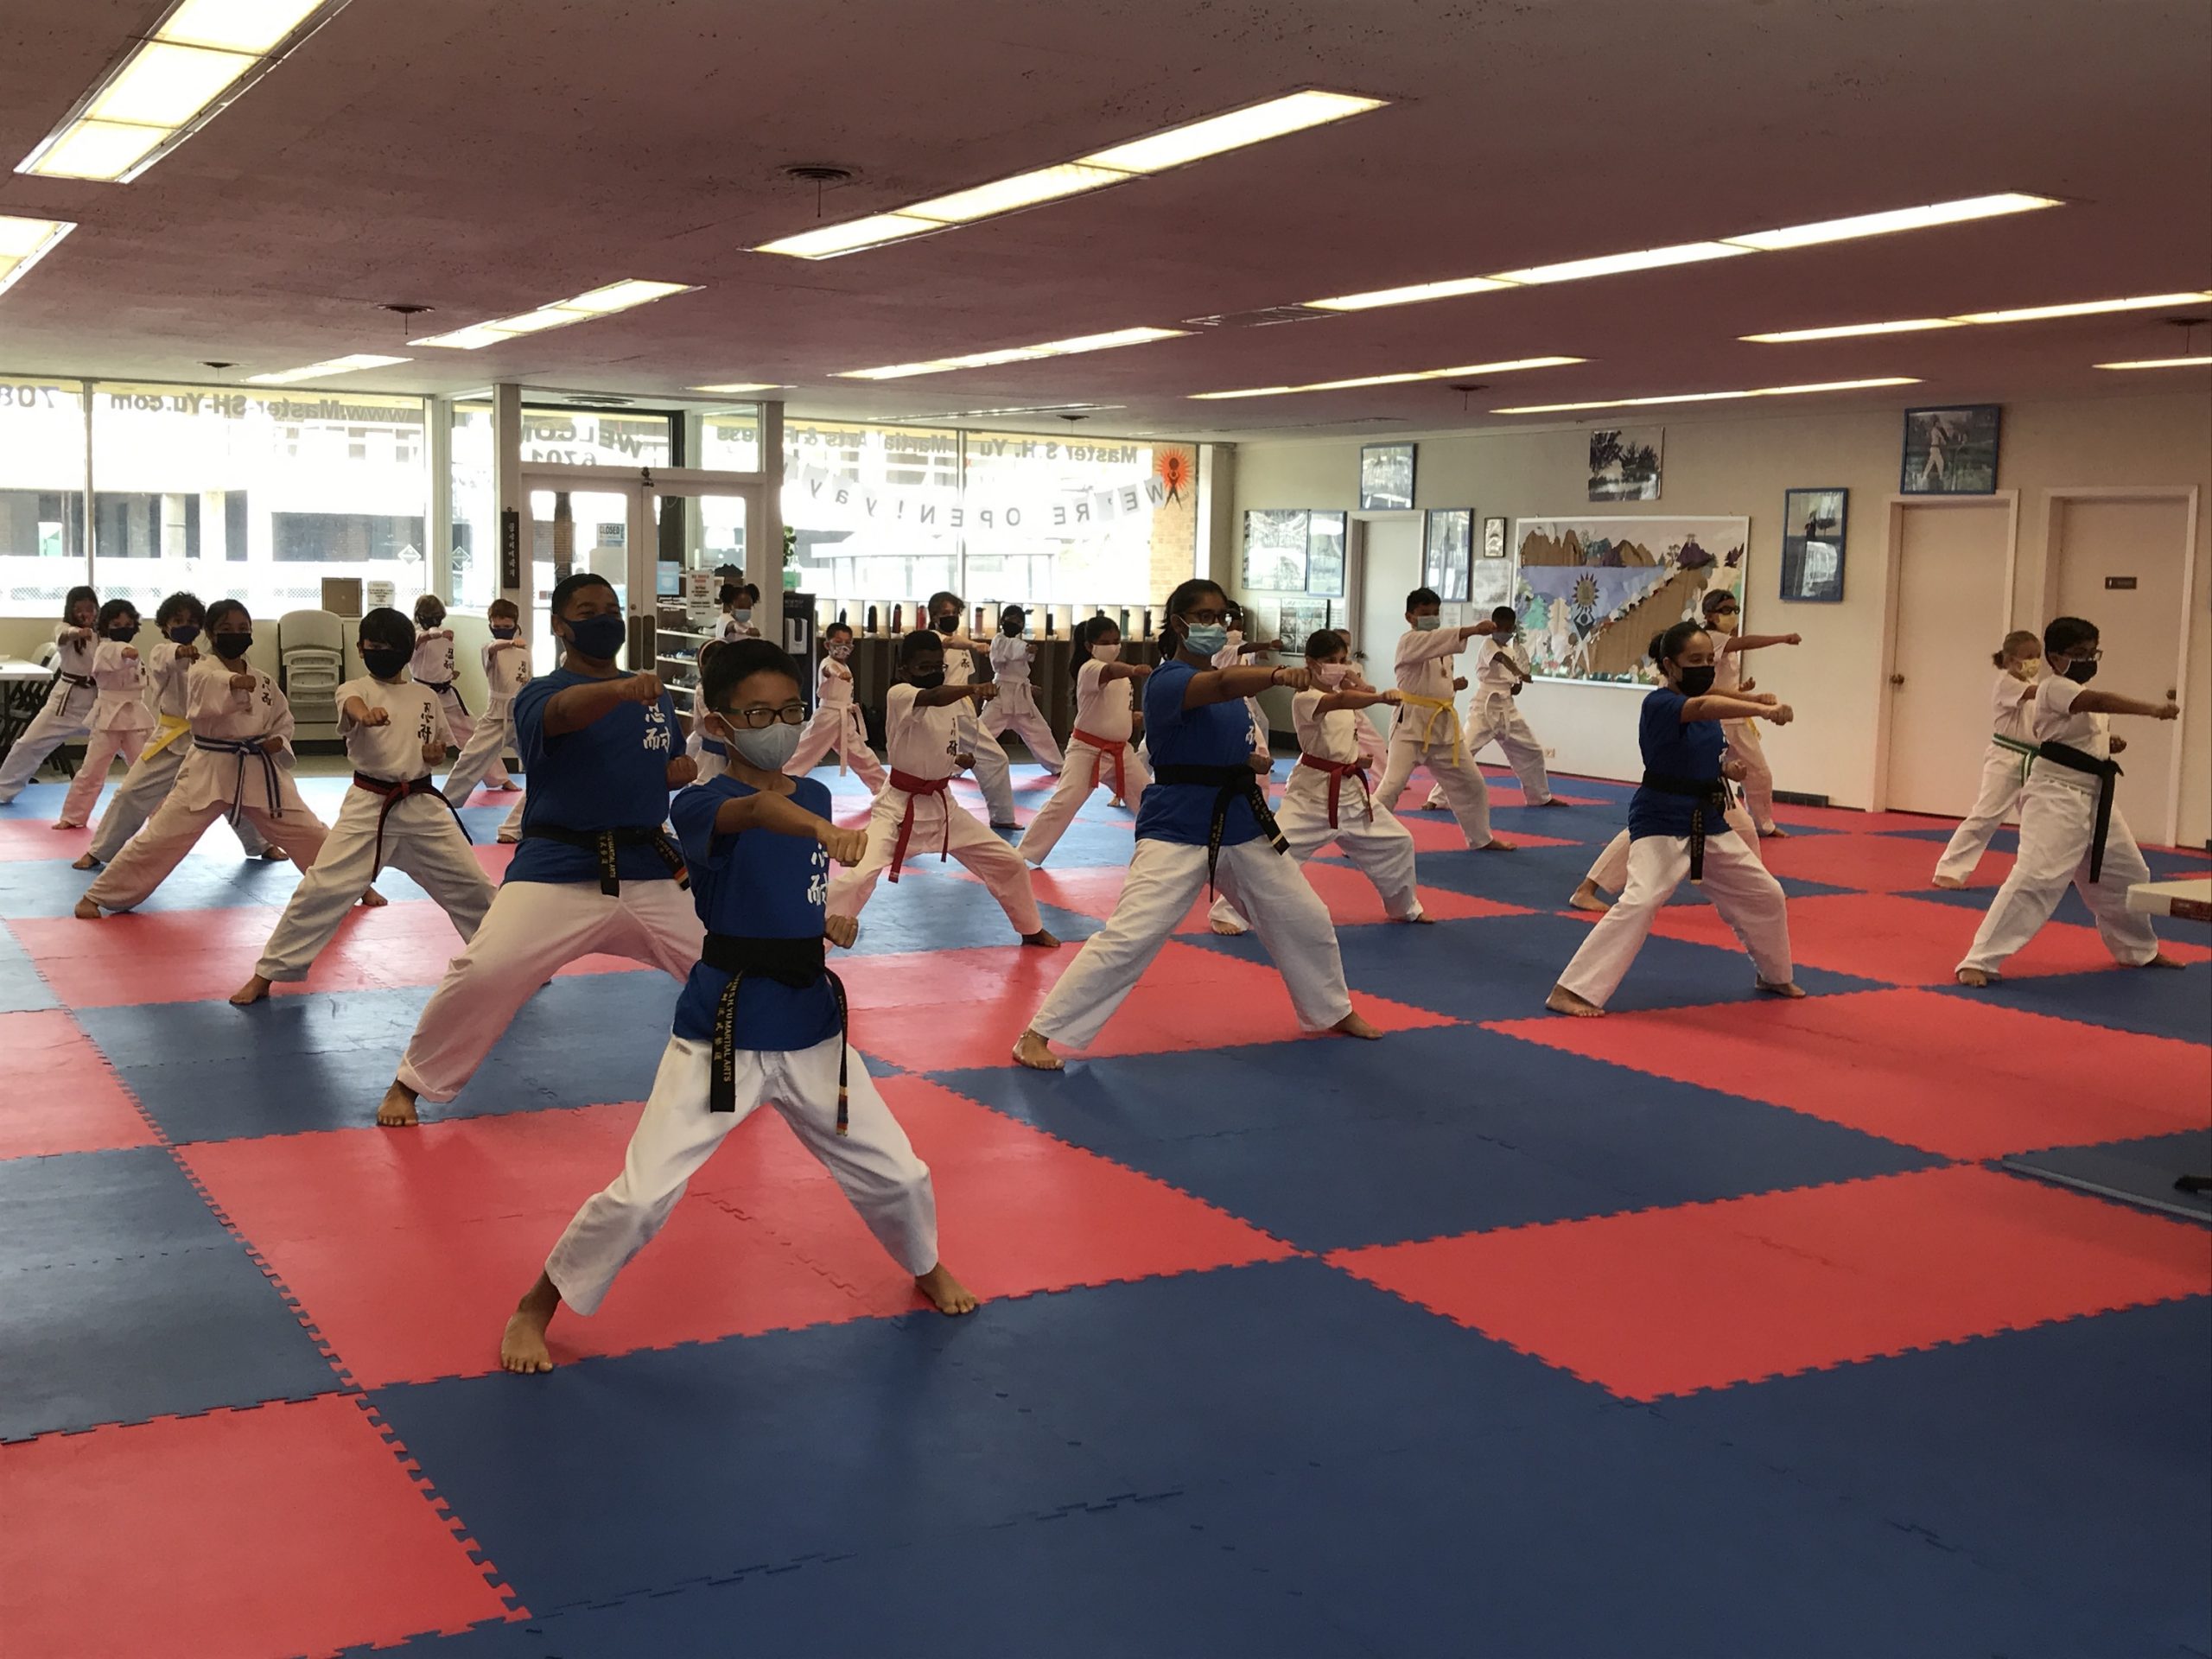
(1591, 592)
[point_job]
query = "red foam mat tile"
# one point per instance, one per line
(1960, 1079)
(1670, 1301)
(61, 1095)
(286, 1529)
(1872, 863)
(25, 840)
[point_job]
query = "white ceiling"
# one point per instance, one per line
(484, 157)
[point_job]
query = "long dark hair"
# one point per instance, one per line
(78, 595)
(1669, 645)
(1181, 600)
(222, 610)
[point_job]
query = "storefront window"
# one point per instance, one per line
(1081, 523)
(729, 440)
(475, 508)
(858, 534)
(41, 494)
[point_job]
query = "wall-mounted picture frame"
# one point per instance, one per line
(1812, 545)
(1625, 462)
(1386, 477)
(1325, 554)
(1493, 538)
(1274, 549)
(1951, 451)
(1447, 552)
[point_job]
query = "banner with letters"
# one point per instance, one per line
(816, 497)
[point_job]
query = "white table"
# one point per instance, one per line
(2190, 899)
(22, 689)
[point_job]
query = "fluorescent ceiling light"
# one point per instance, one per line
(1849, 330)
(1512, 367)
(1897, 218)
(471, 339)
(2084, 308)
(24, 242)
(1710, 397)
(1017, 353)
(623, 295)
(252, 26)
(735, 386)
(1155, 153)
(99, 150)
(532, 323)
(166, 85)
(2161, 363)
(333, 365)
(1411, 295)
(1611, 265)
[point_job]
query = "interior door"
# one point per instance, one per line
(2142, 545)
(1952, 604)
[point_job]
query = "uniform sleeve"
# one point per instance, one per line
(345, 693)
(107, 658)
(2054, 697)
(283, 725)
(898, 702)
(1415, 645)
(1087, 676)
(530, 722)
(208, 691)
(692, 814)
(1303, 705)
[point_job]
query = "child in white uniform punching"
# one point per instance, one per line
(436, 667)
(1204, 820)
(2069, 828)
(1426, 732)
(394, 733)
(1330, 798)
(2012, 752)
(1675, 828)
(1102, 749)
(1723, 617)
(595, 872)
(1015, 705)
(121, 718)
(1495, 715)
(914, 811)
(506, 671)
(761, 1018)
(240, 766)
(66, 715)
(837, 726)
(992, 773)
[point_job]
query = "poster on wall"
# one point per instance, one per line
(1951, 451)
(1275, 551)
(1624, 463)
(1296, 619)
(1386, 477)
(1325, 555)
(1490, 587)
(1446, 553)
(1590, 592)
(1812, 545)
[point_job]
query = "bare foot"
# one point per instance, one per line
(1420, 915)
(1949, 884)
(397, 1109)
(1497, 844)
(507, 788)
(507, 840)
(1587, 897)
(1976, 978)
(1227, 928)
(1552, 800)
(1117, 801)
(946, 1294)
(1791, 989)
(1042, 939)
(1774, 832)
(1353, 1025)
(250, 993)
(1036, 1054)
(68, 823)
(86, 910)
(274, 855)
(372, 899)
(86, 862)
(522, 1345)
(2161, 960)
(1562, 1000)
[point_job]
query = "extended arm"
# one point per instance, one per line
(2111, 703)
(780, 815)
(1234, 684)
(1364, 698)
(583, 705)
(1761, 641)
(1713, 706)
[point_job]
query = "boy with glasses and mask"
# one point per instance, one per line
(2070, 829)
(761, 1018)
(595, 872)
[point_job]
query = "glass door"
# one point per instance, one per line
(567, 531)
(698, 542)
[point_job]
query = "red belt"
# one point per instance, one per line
(914, 786)
(1339, 771)
(1116, 746)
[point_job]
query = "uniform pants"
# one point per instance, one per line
(873, 1162)
(420, 837)
(992, 772)
(1165, 877)
(1460, 778)
(1749, 900)
(1610, 871)
(1085, 769)
(936, 818)
(532, 930)
(142, 793)
(146, 859)
(836, 730)
(1744, 745)
(1016, 706)
(2058, 820)
(100, 748)
(462, 726)
(66, 718)
(1380, 848)
(1498, 719)
(2000, 794)
(478, 759)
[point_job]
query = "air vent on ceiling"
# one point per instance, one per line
(1267, 316)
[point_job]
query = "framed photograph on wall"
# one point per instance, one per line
(1951, 451)
(1386, 477)
(1812, 545)
(1275, 551)
(1325, 555)
(1446, 556)
(1493, 538)
(1625, 462)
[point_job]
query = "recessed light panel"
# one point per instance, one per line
(2162, 363)
(1709, 397)
(24, 242)
(623, 295)
(358, 361)
(1071, 347)
(1458, 372)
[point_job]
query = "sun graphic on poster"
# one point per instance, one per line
(1582, 604)
(1174, 470)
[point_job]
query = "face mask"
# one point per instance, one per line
(1105, 653)
(501, 631)
(184, 633)
(742, 614)
(232, 646)
(122, 633)
(1236, 637)
(2081, 673)
(1329, 676)
(842, 649)
(429, 622)
(384, 661)
(1207, 638)
(598, 637)
(928, 682)
(1696, 682)
(1427, 624)
(945, 624)
(767, 749)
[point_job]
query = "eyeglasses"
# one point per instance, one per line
(758, 719)
(1206, 617)
(1724, 610)
(2093, 654)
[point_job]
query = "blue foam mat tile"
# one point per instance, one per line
(1099, 835)
(217, 876)
(710, 1458)
(153, 1336)
(81, 1207)
(1588, 827)
(491, 1640)
(22, 990)
(2155, 1002)
(930, 910)
(2077, 1456)
(2145, 1168)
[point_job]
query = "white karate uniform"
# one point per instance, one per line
(65, 717)
(1016, 702)
(212, 784)
(920, 743)
(1495, 717)
(154, 774)
(2004, 772)
(1224, 914)
(1748, 897)
(1744, 744)
(1380, 848)
(1104, 717)
(1429, 734)
(435, 666)
(873, 1161)
(734, 629)
(838, 725)
(2058, 815)
(122, 721)
(419, 836)
(506, 672)
(992, 772)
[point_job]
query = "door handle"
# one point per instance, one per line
(1896, 679)
(2171, 695)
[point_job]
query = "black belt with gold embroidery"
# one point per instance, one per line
(601, 844)
(395, 790)
(796, 963)
(1228, 784)
(1709, 793)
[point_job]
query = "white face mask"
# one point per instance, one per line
(1329, 676)
(1235, 637)
(841, 649)
(1105, 653)
(766, 750)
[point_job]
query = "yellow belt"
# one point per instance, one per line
(167, 728)
(1439, 708)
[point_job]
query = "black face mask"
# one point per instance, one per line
(946, 624)
(1696, 682)
(232, 646)
(2081, 673)
(184, 633)
(384, 661)
(122, 635)
(929, 682)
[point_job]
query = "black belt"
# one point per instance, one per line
(601, 843)
(1229, 783)
(1707, 793)
(246, 749)
(394, 791)
(2106, 773)
(440, 687)
(84, 680)
(796, 963)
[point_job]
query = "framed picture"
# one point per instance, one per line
(1298, 619)
(1275, 551)
(1624, 463)
(1386, 477)
(1812, 545)
(1590, 592)
(1493, 538)
(1446, 556)
(1325, 555)
(1951, 451)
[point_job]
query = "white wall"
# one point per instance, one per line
(1741, 464)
